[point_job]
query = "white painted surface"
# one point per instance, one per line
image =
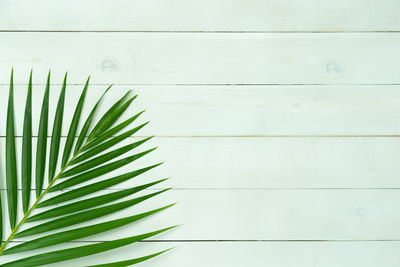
(267, 162)
(208, 15)
(204, 58)
(280, 137)
(361, 110)
(258, 254)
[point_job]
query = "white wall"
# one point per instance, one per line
(279, 120)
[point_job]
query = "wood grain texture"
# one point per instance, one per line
(260, 254)
(209, 15)
(255, 254)
(274, 215)
(262, 214)
(275, 163)
(204, 58)
(238, 110)
(279, 120)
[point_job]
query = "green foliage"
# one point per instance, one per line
(88, 154)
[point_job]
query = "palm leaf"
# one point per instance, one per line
(86, 126)
(42, 140)
(91, 174)
(11, 161)
(86, 203)
(130, 262)
(26, 165)
(56, 134)
(73, 253)
(78, 233)
(84, 216)
(107, 134)
(106, 117)
(97, 152)
(74, 126)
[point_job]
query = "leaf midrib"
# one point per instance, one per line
(26, 215)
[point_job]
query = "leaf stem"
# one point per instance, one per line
(26, 215)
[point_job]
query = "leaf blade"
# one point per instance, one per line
(11, 161)
(85, 203)
(56, 133)
(109, 121)
(91, 174)
(78, 233)
(42, 140)
(105, 135)
(85, 215)
(102, 147)
(109, 112)
(74, 126)
(26, 164)
(82, 251)
(131, 261)
(88, 123)
(102, 158)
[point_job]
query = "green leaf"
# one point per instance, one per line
(26, 164)
(114, 130)
(110, 120)
(98, 127)
(86, 176)
(102, 147)
(11, 161)
(96, 153)
(84, 216)
(42, 140)
(74, 126)
(88, 123)
(56, 134)
(82, 251)
(102, 158)
(86, 203)
(78, 233)
(130, 262)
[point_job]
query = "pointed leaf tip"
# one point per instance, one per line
(11, 165)
(26, 161)
(73, 127)
(56, 133)
(42, 140)
(82, 251)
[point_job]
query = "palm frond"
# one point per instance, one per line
(11, 160)
(81, 251)
(26, 165)
(42, 140)
(56, 134)
(87, 155)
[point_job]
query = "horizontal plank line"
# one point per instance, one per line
(277, 188)
(270, 240)
(243, 240)
(250, 136)
(250, 188)
(274, 136)
(212, 84)
(196, 31)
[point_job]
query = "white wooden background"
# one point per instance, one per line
(279, 120)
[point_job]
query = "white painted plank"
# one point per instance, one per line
(237, 110)
(191, 15)
(190, 58)
(274, 215)
(278, 162)
(213, 162)
(254, 254)
(267, 215)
